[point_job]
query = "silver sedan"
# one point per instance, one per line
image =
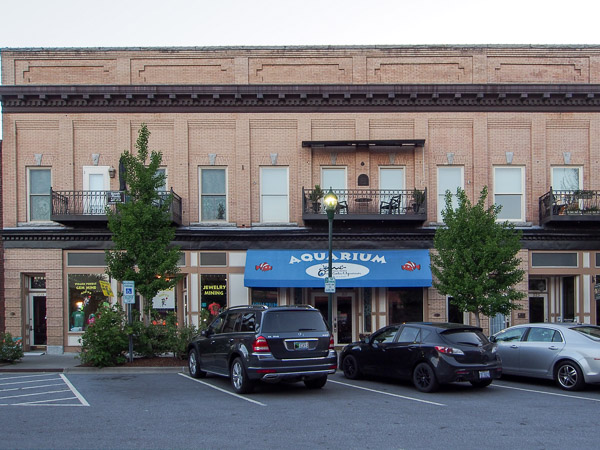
(568, 353)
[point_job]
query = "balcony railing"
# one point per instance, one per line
(400, 205)
(70, 207)
(568, 206)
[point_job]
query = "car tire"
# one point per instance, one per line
(316, 383)
(569, 376)
(481, 384)
(350, 368)
(424, 378)
(239, 378)
(194, 364)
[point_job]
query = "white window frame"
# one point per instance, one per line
(200, 194)
(29, 194)
(285, 217)
(441, 196)
(497, 170)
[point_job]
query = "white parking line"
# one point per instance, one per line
(75, 391)
(17, 386)
(222, 390)
(388, 393)
(547, 393)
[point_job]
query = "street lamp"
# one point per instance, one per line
(331, 202)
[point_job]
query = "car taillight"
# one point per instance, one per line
(260, 345)
(449, 350)
(331, 344)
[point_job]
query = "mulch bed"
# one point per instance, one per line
(158, 361)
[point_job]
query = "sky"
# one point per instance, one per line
(200, 23)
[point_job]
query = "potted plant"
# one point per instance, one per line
(418, 198)
(315, 196)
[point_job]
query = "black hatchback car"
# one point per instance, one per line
(251, 343)
(429, 354)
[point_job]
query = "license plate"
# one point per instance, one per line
(301, 345)
(484, 374)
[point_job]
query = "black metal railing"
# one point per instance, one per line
(569, 205)
(371, 202)
(92, 205)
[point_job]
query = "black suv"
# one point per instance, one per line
(427, 353)
(250, 343)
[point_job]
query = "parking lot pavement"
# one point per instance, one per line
(46, 389)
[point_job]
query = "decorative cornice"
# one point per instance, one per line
(242, 239)
(300, 98)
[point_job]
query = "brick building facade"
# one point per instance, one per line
(247, 133)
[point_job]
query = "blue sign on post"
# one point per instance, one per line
(129, 292)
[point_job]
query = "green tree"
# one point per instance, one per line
(141, 226)
(475, 260)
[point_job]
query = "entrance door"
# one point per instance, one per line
(343, 314)
(37, 320)
(96, 183)
(537, 309)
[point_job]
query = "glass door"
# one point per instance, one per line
(37, 321)
(538, 308)
(343, 315)
(95, 185)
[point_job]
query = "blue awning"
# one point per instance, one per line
(350, 268)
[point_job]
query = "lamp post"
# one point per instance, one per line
(331, 202)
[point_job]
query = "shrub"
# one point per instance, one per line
(149, 340)
(178, 337)
(11, 349)
(105, 342)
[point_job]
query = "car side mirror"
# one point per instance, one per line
(205, 333)
(493, 339)
(366, 339)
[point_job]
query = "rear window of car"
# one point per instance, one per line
(593, 332)
(290, 321)
(468, 337)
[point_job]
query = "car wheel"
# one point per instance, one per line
(569, 376)
(424, 378)
(194, 364)
(239, 378)
(316, 383)
(482, 383)
(350, 367)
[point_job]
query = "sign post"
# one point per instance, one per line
(129, 299)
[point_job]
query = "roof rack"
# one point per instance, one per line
(247, 307)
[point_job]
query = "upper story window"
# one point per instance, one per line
(213, 194)
(508, 192)
(162, 171)
(274, 195)
(450, 178)
(39, 183)
(333, 177)
(566, 178)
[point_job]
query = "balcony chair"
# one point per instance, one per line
(390, 207)
(342, 207)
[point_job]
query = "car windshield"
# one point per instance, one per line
(290, 321)
(589, 331)
(466, 337)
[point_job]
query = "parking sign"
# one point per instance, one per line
(128, 292)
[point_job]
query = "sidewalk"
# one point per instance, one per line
(69, 363)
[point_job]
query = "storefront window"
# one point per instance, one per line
(267, 297)
(85, 296)
(164, 302)
(405, 305)
(214, 292)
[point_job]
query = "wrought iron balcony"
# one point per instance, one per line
(71, 207)
(570, 206)
(396, 205)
